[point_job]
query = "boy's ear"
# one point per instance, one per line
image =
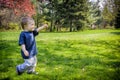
(25, 25)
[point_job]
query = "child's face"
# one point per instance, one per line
(30, 25)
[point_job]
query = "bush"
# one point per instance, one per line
(13, 26)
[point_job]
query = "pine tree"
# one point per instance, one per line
(117, 20)
(94, 13)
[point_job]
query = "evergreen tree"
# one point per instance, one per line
(117, 18)
(94, 14)
(75, 14)
(111, 12)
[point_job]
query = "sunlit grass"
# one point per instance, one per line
(87, 55)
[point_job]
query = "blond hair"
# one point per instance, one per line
(24, 21)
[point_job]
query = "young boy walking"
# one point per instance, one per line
(28, 46)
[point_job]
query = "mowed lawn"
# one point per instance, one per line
(85, 55)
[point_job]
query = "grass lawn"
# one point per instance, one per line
(87, 55)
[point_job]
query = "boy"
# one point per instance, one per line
(28, 45)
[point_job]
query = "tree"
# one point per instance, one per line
(111, 12)
(19, 7)
(117, 17)
(107, 15)
(94, 14)
(12, 9)
(66, 13)
(73, 13)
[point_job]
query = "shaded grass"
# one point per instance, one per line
(88, 55)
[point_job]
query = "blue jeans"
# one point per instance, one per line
(28, 65)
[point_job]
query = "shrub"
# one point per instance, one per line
(13, 26)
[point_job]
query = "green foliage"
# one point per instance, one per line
(65, 13)
(107, 15)
(94, 13)
(13, 26)
(117, 20)
(87, 55)
(110, 12)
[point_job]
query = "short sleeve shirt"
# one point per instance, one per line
(28, 39)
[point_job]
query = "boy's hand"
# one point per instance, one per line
(24, 50)
(42, 27)
(26, 53)
(45, 26)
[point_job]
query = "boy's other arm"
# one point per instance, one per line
(24, 50)
(42, 27)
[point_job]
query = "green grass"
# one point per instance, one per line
(87, 55)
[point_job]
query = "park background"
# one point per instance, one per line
(81, 43)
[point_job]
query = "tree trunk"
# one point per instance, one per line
(0, 23)
(51, 25)
(70, 23)
(37, 21)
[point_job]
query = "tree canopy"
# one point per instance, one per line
(19, 6)
(73, 15)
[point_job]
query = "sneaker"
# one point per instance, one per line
(36, 73)
(18, 72)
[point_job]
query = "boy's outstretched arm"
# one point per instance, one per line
(42, 27)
